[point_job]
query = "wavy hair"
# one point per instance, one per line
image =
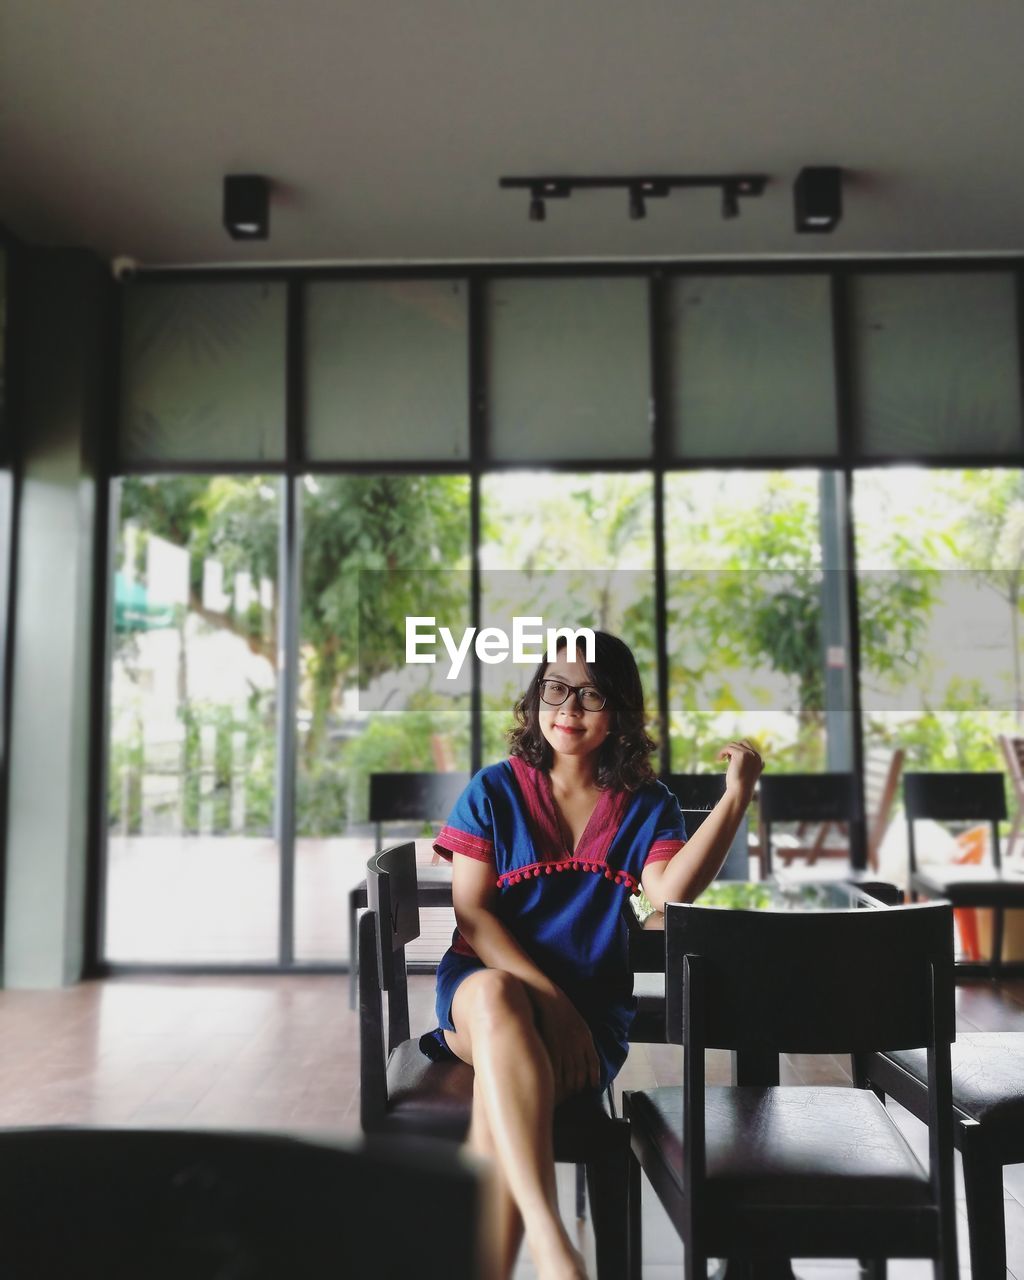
(623, 762)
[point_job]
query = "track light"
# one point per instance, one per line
(640, 189)
(247, 206)
(818, 198)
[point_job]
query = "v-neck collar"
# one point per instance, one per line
(542, 818)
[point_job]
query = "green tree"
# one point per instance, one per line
(753, 603)
(987, 534)
(406, 529)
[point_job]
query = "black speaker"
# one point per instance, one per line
(246, 206)
(818, 198)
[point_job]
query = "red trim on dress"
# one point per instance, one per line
(535, 869)
(662, 850)
(542, 818)
(461, 947)
(452, 840)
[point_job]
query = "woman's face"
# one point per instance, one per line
(568, 729)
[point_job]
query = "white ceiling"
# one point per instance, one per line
(385, 124)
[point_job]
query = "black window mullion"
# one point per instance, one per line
(657, 336)
(847, 454)
(477, 453)
(289, 579)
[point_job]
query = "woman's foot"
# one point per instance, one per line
(554, 1256)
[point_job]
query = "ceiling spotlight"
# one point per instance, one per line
(247, 206)
(640, 188)
(818, 198)
(546, 189)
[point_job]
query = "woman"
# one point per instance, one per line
(535, 991)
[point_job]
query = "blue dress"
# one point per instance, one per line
(563, 907)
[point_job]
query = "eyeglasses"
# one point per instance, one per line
(555, 692)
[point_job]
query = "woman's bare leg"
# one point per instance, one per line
(506, 1220)
(515, 1089)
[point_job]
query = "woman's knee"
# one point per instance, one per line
(494, 997)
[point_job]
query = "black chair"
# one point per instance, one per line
(963, 797)
(698, 793)
(406, 797)
(988, 1110)
(759, 1173)
(822, 799)
(404, 1092)
(76, 1204)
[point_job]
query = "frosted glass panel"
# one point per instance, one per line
(203, 372)
(387, 370)
(751, 367)
(935, 364)
(569, 369)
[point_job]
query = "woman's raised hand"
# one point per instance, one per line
(570, 1045)
(745, 765)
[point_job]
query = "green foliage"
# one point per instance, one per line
(744, 608)
(754, 604)
(960, 733)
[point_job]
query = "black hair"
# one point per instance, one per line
(623, 761)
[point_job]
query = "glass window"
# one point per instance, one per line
(535, 525)
(935, 364)
(751, 366)
(744, 592)
(387, 370)
(569, 369)
(939, 556)
(192, 858)
(376, 549)
(203, 375)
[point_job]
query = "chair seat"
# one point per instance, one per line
(988, 1079)
(427, 1097)
(972, 886)
(790, 1146)
(435, 1098)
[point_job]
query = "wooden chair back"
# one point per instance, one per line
(812, 982)
(882, 770)
(123, 1203)
(392, 897)
(821, 798)
(413, 797)
(1013, 754)
(817, 982)
(954, 797)
(698, 793)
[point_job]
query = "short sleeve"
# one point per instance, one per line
(470, 826)
(669, 830)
